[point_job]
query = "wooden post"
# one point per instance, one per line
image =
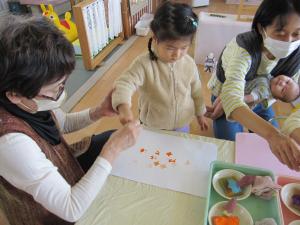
(126, 18)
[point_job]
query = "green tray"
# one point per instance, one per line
(258, 208)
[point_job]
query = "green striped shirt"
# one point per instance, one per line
(292, 123)
(236, 63)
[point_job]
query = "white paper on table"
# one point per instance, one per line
(189, 174)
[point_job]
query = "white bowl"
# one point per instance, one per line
(295, 222)
(286, 194)
(239, 211)
(228, 173)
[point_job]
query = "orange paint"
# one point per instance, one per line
(163, 166)
(169, 154)
(225, 220)
(142, 150)
(172, 160)
(156, 163)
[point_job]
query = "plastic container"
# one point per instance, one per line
(143, 26)
(142, 29)
(258, 208)
(147, 18)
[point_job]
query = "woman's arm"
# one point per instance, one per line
(283, 147)
(70, 122)
(25, 166)
(296, 135)
(236, 62)
(291, 126)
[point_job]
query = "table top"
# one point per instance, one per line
(122, 201)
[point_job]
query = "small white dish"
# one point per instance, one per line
(230, 173)
(295, 222)
(239, 211)
(286, 194)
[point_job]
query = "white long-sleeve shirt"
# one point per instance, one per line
(25, 166)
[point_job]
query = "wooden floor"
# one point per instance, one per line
(102, 87)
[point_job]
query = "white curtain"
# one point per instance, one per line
(114, 18)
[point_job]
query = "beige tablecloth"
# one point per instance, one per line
(125, 202)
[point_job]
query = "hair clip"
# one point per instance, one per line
(194, 22)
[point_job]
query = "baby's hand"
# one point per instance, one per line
(125, 114)
(202, 123)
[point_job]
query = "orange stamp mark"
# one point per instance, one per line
(163, 166)
(156, 163)
(142, 150)
(172, 160)
(169, 154)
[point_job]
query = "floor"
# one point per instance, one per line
(105, 83)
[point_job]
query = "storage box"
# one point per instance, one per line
(142, 28)
(258, 208)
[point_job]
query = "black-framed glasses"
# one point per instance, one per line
(59, 93)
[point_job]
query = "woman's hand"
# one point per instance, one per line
(104, 109)
(216, 110)
(202, 123)
(286, 150)
(120, 140)
(125, 114)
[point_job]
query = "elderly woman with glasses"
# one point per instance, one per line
(43, 180)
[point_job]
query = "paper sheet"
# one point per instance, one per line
(253, 150)
(168, 161)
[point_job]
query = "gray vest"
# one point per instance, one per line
(251, 42)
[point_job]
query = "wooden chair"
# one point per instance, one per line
(246, 12)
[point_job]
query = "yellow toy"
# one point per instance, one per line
(66, 25)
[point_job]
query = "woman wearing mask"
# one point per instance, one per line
(272, 47)
(43, 180)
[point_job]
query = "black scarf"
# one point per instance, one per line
(41, 122)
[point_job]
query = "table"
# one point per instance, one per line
(214, 32)
(125, 202)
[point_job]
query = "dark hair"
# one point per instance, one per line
(271, 10)
(172, 21)
(33, 53)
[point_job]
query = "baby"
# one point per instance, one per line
(265, 87)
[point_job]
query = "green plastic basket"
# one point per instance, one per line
(258, 208)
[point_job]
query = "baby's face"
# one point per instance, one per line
(284, 88)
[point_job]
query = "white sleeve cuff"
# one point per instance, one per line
(104, 164)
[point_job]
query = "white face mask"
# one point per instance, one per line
(47, 104)
(280, 49)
